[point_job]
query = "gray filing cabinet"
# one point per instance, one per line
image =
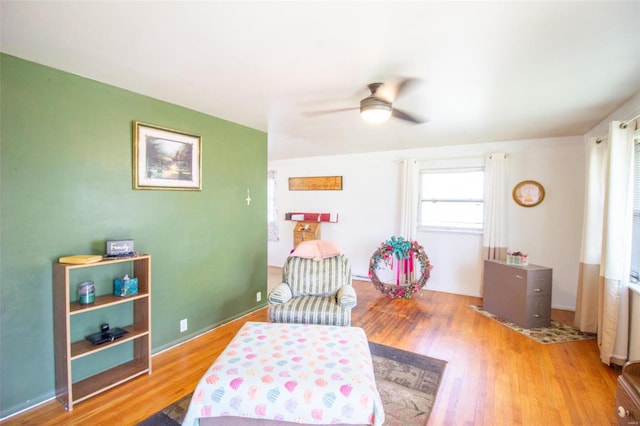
(518, 294)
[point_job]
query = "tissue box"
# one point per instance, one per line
(126, 287)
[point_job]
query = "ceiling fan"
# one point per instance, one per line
(378, 107)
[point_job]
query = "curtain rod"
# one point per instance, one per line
(624, 124)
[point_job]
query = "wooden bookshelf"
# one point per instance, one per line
(69, 391)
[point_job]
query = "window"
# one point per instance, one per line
(452, 199)
(635, 244)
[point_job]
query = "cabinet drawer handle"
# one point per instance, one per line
(519, 276)
(536, 315)
(537, 289)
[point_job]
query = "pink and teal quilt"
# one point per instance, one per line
(301, 373)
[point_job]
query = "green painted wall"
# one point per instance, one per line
(66, 188)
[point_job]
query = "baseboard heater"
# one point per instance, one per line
(360, 277)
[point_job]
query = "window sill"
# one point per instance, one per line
(451, 230)
(635, 288)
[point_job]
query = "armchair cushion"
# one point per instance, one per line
(347, 297)
(311, 310)
(281, 294)
(307, 277)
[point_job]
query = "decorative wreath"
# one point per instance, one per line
(405, 253)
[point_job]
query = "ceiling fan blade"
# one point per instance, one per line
(407, 117)
(329, 111)
(405, 85)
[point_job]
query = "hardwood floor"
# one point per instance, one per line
(494, 375)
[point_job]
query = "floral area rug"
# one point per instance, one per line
(555, 333)
(408, 384)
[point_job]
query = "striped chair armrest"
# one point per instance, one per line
(347, 296)
(281, 294)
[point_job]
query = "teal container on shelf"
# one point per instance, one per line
(86, 293)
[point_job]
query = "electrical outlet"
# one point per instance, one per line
(258, 296)
(183, 325)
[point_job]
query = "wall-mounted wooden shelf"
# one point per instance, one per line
(311, 217)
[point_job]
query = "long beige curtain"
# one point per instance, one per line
(409, 184)
(495, 207)
(602, 304)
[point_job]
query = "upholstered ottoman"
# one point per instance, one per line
(301, 373)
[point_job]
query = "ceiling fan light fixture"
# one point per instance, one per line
(378, 109)
(375, 110)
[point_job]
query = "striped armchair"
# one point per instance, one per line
(314, 292)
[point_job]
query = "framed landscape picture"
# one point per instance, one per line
(166, 159)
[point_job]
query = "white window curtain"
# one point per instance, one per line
(495, 206)
(602, 304)
(409, 175)
(273, 229)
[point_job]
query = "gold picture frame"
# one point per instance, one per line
(317, 183)
(166, 159)
(528, 193)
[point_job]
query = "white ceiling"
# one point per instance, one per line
(490, 71)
